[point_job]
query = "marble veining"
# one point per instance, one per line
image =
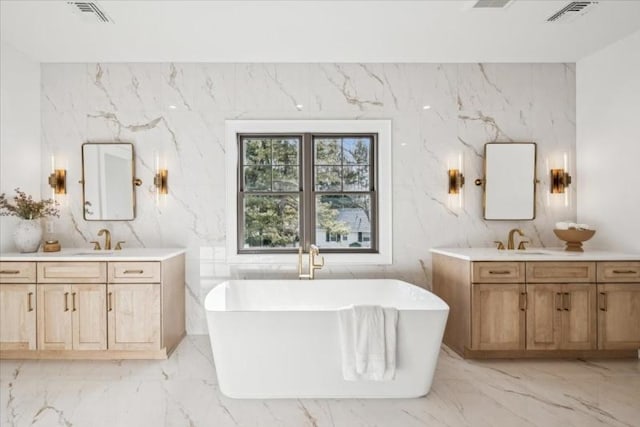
(183, 391)
(178, 110)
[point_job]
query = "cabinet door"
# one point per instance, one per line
(54, 317)
(498, 317)
(89, 313)
(544, 316)
(578, 316)
(17, 317)
(619, 316)
(133, 316)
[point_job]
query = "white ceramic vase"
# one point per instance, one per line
(28, 235)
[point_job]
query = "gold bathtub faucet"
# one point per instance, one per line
(314, 252)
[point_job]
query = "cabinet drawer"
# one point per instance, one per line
(17, 272)
(561, 272)
(498, 272)
(619, 271)
(134, 272)
(72, 272)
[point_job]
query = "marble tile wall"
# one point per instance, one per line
(179, 112)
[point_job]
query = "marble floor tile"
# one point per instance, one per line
(183, 391)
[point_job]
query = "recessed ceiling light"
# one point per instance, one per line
(299, 106)
(404, 144)
(172, 107)
(426, 107)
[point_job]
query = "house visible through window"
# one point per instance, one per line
(307, 189)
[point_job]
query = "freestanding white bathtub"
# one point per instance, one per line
(280, 338)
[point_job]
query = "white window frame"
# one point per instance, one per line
(380, 127)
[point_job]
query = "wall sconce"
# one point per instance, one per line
(160, 181)
(560, 180)
(456, 181)
(58, 179)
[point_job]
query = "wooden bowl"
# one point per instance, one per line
(574, 238)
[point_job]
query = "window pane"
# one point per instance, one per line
(356, 178)
(257, 178)
(257, 151)
(328, 178)
(285, 178)
(356, 151)
(345, 216)
(328, 151)
(271, 222)
(285, 151)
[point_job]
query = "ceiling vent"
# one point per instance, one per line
(573, 10)
(495, 4)
(89, 11)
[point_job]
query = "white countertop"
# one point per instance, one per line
(533, 254)
(81, 254)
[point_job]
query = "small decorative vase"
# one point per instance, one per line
(28, 235)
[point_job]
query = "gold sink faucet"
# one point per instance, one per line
(510, 243)
(107, 238)
(314, 252)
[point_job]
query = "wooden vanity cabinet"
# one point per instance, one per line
(135, 305)
(561, 305)
(17, 306)
(92, 310)
(540, 308)
(72, 317)
(497, 306)
(498, 320)
(72, 313)
(619, 305)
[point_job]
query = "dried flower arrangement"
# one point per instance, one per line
(25, 207)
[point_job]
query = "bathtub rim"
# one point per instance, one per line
(212, 294)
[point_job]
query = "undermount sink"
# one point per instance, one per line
(523, 253)
(94, 253)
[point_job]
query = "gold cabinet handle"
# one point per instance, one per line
(30, 301)
(624, 271)
(66, 301)
(523, 301)
(73, 301)
(109, 301)
(499, 272)
(9, 271)
(133, 271)
(566, 301)
(558, 301)
(603, 299)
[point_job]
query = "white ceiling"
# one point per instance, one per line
(313, 31)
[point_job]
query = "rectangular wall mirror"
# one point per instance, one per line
(509, 181)
(108, 177)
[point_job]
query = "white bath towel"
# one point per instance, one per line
(368, 342)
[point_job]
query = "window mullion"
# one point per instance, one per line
(307, 192)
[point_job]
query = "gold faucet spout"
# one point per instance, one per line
(314, 252)
(107, 238)
(510, 242)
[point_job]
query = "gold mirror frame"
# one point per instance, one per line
(136, 182)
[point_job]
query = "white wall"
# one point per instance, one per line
(608, 144)
(19, 131)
